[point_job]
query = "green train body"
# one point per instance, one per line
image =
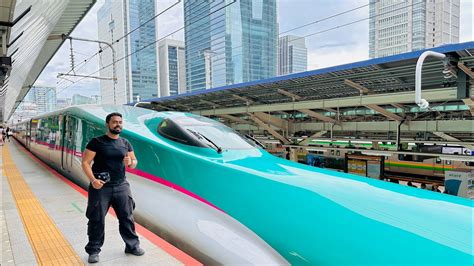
(289, 212)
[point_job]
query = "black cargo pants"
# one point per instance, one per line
(99, 202)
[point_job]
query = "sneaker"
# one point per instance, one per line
(136, 252)
(93, 258)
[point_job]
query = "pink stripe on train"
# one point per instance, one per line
(171, 185)
(149, 177)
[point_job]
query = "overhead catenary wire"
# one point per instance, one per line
(149, 20)
(81, 65)
(147, 45)
(311, 34)
(346, 24)
(173, 5)
(102, 49)
(323, 19)
(144, 23)
(292, 29)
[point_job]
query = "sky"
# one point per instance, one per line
(335, 47)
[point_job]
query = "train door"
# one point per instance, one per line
(68, 143)
(28, 135)
(438, 167)
(33, 132)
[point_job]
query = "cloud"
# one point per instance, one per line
(466, 28)
(335, 47)
(171, 20)
(327, 57)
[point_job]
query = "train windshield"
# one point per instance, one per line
(203, 132)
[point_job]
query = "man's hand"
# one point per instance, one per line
(127, 160)
(97, 184)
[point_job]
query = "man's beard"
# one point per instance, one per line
(115, 130)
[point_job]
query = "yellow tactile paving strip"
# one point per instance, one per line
(49, 245)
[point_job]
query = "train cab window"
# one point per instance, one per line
(438, 160)
(203, 132)
(170, 130)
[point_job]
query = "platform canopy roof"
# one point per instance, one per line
(365, 80)
(30, 32)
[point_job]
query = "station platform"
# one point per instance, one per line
(43, 220)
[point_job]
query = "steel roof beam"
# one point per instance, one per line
(272, 120)
(289, 94)
(360, 88)
(445, 136)
(450, 126)
(443, 94)
(402, 140)
(269, 129)
(242, 98)
(209, 102)
(235, 119)
(329, 110)
(446, 126)
(180, 107)
(466, 69)
(461, 158)
(397, 105)
(317, 116)
(470, 103)
(451, 138)
(384, 112)
(314, 136)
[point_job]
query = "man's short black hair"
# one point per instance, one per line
(109, 116)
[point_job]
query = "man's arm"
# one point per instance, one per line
(87, 159)
(131, 160)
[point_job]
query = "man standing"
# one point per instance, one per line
(110, 154)
(8, 133)
(1, 135)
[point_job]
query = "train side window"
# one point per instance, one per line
(438, 160)
(78, 138)
(448, 162)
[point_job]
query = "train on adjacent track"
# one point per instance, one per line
(430, 168)
(221, 198)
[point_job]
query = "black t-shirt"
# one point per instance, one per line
(109, 157)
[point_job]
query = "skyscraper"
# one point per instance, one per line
(293, 56)
(402, 26)
(137, 75)
(172, 67)
(43, 97)
(229, 45)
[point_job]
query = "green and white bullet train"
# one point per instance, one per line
(217, 196)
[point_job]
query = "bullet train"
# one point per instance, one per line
(223, 199)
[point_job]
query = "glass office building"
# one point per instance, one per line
(229, 45)
(172, 67)
(402, 26)
(44, 98)
(137, 75)
(293, 56)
